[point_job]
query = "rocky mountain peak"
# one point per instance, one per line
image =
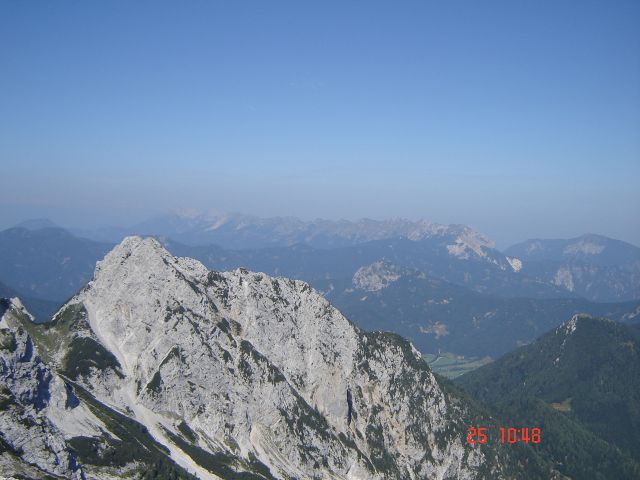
(237, 373)
(570, 326)
(262, 372)
(145, 256)
(468, 242)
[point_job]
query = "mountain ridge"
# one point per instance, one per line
(440, 316)
(593, 266)
(594, 247)
(580, 382)
(260, 371)
(233, 230)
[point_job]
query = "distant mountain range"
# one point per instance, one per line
(580, 384)
(238, 231)
(455, 253)
(589, 248)
(48, 263)
(446, 288)
(592, 266)
(446, 256)
(440, 316)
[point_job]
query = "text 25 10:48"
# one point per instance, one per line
(478, 435)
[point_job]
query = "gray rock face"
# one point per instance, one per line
(377, 276)
(32, 397)
(241, 372)
(260, 368)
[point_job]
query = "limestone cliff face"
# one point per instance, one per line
(240, 372)
(35, 406)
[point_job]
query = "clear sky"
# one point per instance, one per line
(520, 118)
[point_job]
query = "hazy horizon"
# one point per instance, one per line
(501, 243)
(520, 120)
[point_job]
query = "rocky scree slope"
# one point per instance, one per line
(239, 375)
(32, 398)
(49, 426)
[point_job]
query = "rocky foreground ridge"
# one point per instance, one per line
(160, 368)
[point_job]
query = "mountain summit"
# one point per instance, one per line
(240, 375)
(579, 383)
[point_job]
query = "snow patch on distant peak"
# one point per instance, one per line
(377, 276)
(516, 263)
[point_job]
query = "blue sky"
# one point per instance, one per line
(519, 118)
